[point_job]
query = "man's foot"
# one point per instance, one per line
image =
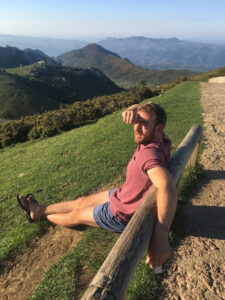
(29, 205)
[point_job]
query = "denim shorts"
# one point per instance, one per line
(105, 219)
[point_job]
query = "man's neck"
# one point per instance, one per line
(158, 139)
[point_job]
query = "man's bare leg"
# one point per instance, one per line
(69, 213)
(76, 217)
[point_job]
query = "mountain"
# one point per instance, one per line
(50, 46)
(39, 87)
(12, 57)
(120, 70)
(154, 54)
(158, 54)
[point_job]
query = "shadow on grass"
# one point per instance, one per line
(80, 227)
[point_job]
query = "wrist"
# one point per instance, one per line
(161, 229)
(132, 107)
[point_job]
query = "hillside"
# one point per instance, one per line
(18, 97)
(167, 53)
(12, 57)
(40, 87)
(120, 70)
(211, 74)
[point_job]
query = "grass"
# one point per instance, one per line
(77, 163)
(211, 74)
(23, 71)
(60, 168)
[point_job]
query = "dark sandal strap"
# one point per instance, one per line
(28, 195)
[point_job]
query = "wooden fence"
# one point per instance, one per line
(112, 279)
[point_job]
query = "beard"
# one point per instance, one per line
(144, 139)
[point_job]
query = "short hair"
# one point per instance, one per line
(157, 109)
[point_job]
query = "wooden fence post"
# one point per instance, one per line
(112, 279)
(192, 161)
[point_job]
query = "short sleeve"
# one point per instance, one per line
(151, 157)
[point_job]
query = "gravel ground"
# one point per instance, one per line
(197, 269)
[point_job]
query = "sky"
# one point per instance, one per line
(92, 20)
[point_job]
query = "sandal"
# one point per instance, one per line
(25, 206)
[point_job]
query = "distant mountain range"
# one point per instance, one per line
(161, 54)
(121, 71)
(52, 47)
(40, 87)
(154, 54)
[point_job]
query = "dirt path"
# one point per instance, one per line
(198, 264)
(20, 277)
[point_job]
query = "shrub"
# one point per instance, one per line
(69, 116)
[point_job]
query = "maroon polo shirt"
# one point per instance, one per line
(126, 199)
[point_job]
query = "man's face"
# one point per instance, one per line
(145, 130)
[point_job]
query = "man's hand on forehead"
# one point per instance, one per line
(130, 116)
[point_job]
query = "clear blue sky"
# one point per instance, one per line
(91, 20)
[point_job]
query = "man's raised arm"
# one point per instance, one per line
(129, 115)
(159, 248)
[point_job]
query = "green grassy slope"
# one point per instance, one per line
(23, 71)
(37, 88)
(78, 163)
(62, 167)
(19, 97)
(211, 74)
(120, 70)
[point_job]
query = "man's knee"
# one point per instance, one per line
(84, 216)
(72, 218)
(81, 202)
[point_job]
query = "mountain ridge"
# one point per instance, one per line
(121, 71)
(192, 58)
(12, 57)
(169, 53)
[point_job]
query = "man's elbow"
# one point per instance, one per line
(170, 189)
(169, 186)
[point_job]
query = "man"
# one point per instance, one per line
(113, 209)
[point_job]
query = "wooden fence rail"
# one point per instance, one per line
(112, 279)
